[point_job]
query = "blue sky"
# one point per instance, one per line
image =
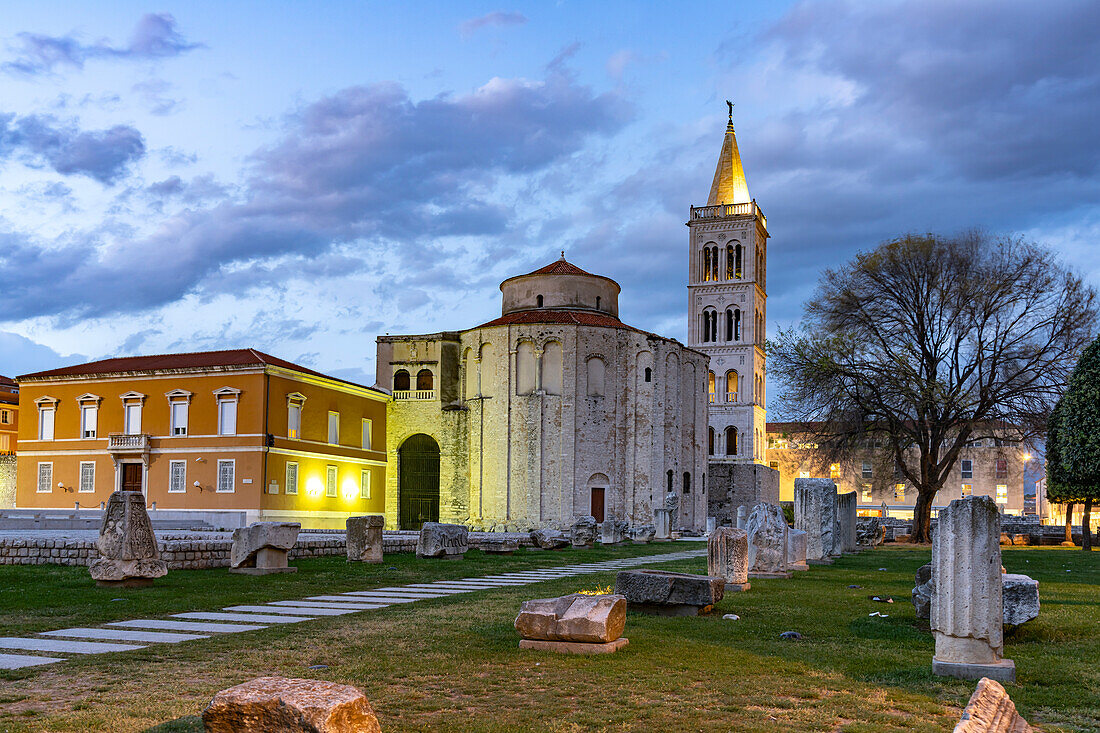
(303, 177)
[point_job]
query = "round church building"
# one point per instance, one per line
(554, 411)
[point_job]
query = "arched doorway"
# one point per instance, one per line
(418, 458)
(597, 491)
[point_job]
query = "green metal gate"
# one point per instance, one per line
(419, 464)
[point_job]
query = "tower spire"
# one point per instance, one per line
(729, 186)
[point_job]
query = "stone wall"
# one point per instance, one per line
(7, 482)
(194, 552)
(730, 485)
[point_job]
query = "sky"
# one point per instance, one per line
(303, 177)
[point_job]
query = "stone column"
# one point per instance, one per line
(815, 514)
(767, 531)
(742, 516)
(967, 606)
(664, 531)
(728, 557)
(846, 521)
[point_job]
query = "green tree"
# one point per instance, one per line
(928, 343)
(1073, 442)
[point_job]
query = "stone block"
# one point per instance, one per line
(923, 590)
(643, 535)
(728, 557)
(815, 512)
(991, 710)
(796, 550)
(671, 594)
(575, 618)
(870, 532)
(261, 548)
(614, 531)
(549, 539)
(127, 546)
(1020, 596)
(662, 526)
(846, 521)
(583, 532)
(767, 539)
(442, 540)
(290, 706)
(364, 538)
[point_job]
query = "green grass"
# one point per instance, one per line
(454, 663)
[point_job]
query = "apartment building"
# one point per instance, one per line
(9, 427)
(235, 432)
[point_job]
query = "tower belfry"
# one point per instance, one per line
(727, 292)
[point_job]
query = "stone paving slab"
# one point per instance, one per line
(64, 646)
(292, 610)
(125, 635)
(159, 623)
(418, 586)
(18, 661)
(385, 597)
(330, 604)
(413, 593)
(362, 599)
(246, 617)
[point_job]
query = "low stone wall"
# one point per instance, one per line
(192, 551)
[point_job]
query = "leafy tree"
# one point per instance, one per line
(928, 343)
(1073, 444)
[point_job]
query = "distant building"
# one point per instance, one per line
(9, 433)
(985, 468)
(554, 411)
(219, 434)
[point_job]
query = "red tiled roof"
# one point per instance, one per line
(561, 267)
(9, 398)
(7, 381)
(194, 360)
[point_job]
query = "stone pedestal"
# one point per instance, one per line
(728, 557)
(846, 521)
(663, 531)
(967, 606)
(261, 548)
(767, 540)
(614, 531)
(448, 541)
(365, 538)
(128, 554)
(815, 505)
(796, 550)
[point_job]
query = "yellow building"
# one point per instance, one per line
(230, 437)
(9, 427)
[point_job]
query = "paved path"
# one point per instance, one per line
(120, 636)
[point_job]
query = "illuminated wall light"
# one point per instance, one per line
(351, 489)
(314, 486)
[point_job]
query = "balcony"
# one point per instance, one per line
(123, 443)
(414, 394)
(723, 211)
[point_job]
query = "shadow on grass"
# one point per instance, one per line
(186, 724)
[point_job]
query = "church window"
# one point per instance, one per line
(710, 441)
(714, 325)
(551, 368)
(538, 301)
(710, 387)
(648, 374)
(687, 482)
(714, 263)
(731, 441)
(669, 475)
(597, 302)
(706, 263)
(729, 324)
(737, 261)
(401, 381)
(710, 325)
(595, 377)
(525, 367)
(731, 386)
(729, 262)
(737, 324)
(424, 380)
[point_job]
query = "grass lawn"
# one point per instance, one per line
(454, 663)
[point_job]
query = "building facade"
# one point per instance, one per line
(554, 411)
(9, 437)
(989, 467)
(727, 295)
(215, 434)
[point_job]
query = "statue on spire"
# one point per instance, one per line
(730, 105)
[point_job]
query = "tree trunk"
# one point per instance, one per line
(922, 517)
(1069, 522)
(1086, 530)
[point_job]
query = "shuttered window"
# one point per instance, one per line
(177, 477)
(226, 478)
(45, 478)
(291, 478)
(87, 477)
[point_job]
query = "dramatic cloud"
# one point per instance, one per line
(104, 155)
(20, 355)
(154, 37)
(367, 173)
(497, 19)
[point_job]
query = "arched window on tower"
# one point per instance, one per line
(710, 387)
(706, 263)
(401, 381)
(729, 262)
(737, 261)
(648, 374)
(729, 324)
(715, 262)
(731, 441)
(737, 324)
(710, 441)
(731, 386)
(710, 325)
(714, 325)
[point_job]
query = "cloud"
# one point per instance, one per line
(152, 92)
(104, 155)
(367, 174)
(154, 37)
(20, 355)
(495, 19)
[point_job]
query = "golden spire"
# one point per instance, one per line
(729, 186)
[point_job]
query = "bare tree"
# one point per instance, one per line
(928, 343)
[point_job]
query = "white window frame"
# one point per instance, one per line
(85, 411)
(80, 486)
(966, 468)
(291, 486)
(129, 411)
(183, 479)
(178, 407)
(221, 396)
(368, 426)
(295, 402)
(44, 410)
(364, 484)
(223, 427)
(5, 417)
(333, 427)
(48, 484)
(866, 470)
(232, 464)
(332, 481)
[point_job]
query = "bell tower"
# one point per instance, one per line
(727, 293)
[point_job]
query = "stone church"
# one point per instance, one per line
(554, 411)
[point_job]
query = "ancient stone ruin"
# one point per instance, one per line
(261, 548)
(967, 605)
(128, 554)
(614, 531)
(583, 532)
(991, 710)
(364, 538)
(796, 550)
(573, 624)
(290, 706)
(767, 536)
(728, 557)
(549, 539)
(846, 522)
(815, 509)
(662, 593)
(448, 541)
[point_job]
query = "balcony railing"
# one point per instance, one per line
(722, 211)
(123, 443)
(414, 394)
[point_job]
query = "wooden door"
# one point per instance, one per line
(131, 477)
(597, 503)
